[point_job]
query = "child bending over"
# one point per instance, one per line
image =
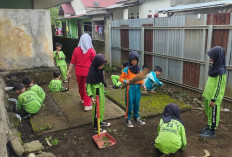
(29, 84)
(151, 80)
(56, 84)
(171, 132)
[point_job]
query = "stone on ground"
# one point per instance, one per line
(33, 146)
(17, 146)
(45, 154)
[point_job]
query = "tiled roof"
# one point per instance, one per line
(68, 9)
(98, 3)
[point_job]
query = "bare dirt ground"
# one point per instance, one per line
(138, 141)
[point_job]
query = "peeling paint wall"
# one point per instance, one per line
(25, 39)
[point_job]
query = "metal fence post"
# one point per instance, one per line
(142, 46)
(209, 43)
(110, 48)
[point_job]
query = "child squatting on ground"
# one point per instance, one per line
(115, 78)
(151, 81)
(95, 86)
(171, 132)
(59, 57)
(29, 102)
(133, 92)
(56, 84)
(214, 90)
(29, 84)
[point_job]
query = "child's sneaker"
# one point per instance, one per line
(87, 108)
(82, 101)
(129, 124)
(204, 129)
(139, 121)
(208, 134)
(65, 81)
(101, 130)
(104, 124)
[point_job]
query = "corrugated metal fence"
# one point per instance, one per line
(178, 44)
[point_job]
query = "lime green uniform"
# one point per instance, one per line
(171, 137)
(91, 91)
(115, 80)
(56, 86)
(29, 101)
(38, 90)
(214, 90)
(61, 63)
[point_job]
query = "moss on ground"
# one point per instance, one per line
(150, 104)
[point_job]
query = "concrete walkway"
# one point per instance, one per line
(64, 110)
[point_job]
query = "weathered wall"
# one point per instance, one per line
(70, 44)
(26, 39)
(179, 2)
(4, 130)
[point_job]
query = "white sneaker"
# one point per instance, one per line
(65, 81)
(82, 101)
(87, 108)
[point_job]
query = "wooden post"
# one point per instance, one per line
(142, 46)
(209, 44)
(110, 48)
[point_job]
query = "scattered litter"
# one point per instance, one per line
(48, 142)
(198, 108)
(19, 117)
(8, 88)
(225, 110)
(207, 154)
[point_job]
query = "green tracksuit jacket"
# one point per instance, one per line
(29, 101)
(61, 63)
(38, 90)
(171, 137)
(56, 86)
(214, 90)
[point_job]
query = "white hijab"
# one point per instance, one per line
(85, 43)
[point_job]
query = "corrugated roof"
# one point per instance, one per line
(70, 17)
(98, 3)
(196, 6)
(68, 9)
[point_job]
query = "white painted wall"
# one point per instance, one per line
(134, 10)
(125, 14)
(78, 7)
(117, 14)
(149, 7)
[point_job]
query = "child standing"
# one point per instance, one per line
(133, 92)
(28, 101)
(151, 80)
(60, 61)
(29, 84)
(214, 90)
(56, 84)
(115, 78)
(95, 86)
(171, 132)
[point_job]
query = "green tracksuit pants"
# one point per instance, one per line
(92, 91)
(214, 91)
(63, 70)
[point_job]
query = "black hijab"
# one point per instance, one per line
(218, 55)
(171, 111)
(134, 69)
(95, 76)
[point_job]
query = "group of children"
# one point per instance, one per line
(171, 132)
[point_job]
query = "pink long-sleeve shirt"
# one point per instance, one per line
(82, 61)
